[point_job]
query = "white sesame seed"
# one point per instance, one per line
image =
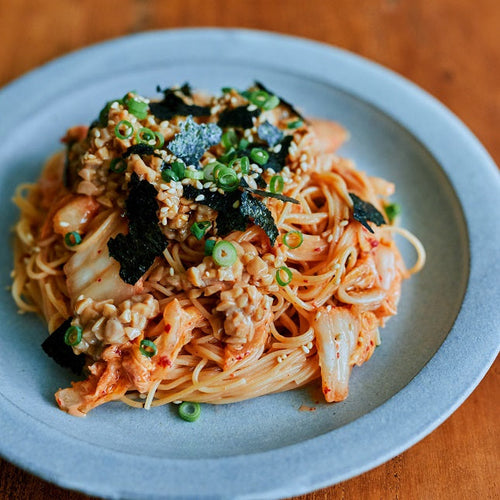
(309, 345)
(328, 308)
(279, 359)
(305, 349)
(343, 223)
(330, 238)
(252, 107)
(164, 187)
(200, 197)
(277, 148)
(199, 185)
(171, 271)
(236, 204)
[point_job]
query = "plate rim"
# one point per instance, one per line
(321, 477)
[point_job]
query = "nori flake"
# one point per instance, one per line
(261, 215)
(282, 101)
(364, 212)
(238, 117)
(55, 347)
(173, 105)
(277, 161)
(141, 150)
(137, 250)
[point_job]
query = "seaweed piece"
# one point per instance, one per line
(141, 150)
(261, 215)
(193, 140)
(277, 161)
(269, 133)
(268, 194)
(282, 101)
(364, 212)
(173, 105)
(186, 89)
(55, 347)
(137, 250)
(238, 117)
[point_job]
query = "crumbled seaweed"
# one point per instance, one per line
(268, 194)
(55, 347)
(172, 105)
(193, 140)
(238, 117)
(137, 250)
(277, 161)
(261, 215)
(269, 133)
(141, 150)
(364, 212)
(287, 104)
(186, 90)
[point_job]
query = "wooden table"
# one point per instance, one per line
(451, 48)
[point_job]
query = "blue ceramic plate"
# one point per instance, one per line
(432, 355)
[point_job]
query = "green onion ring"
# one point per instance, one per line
(72, 239)
(227, 179)
(190, 412)
(194, 174)
(145, 136)
(229, 139)
(243, 163)
(276, 184)
(73, 335)
(138, 108)
(289, 276)
(209, 247)
(160, 140)
(148, 348)
(259, 156)
(271, 103)
(128, 127)
(293, 234)
(118, 165)
(224, 253)
(295, 124)
(198, 229)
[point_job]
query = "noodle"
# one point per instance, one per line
(261, 316)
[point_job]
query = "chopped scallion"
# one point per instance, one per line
(271, 103)
(118, 165)
(73, 335)
(160, 140)
(392, 210)
(138, 108)
(198, 229)
(287, 279)
(146, 136)
(208, 170)
(259, 156)
(193, 174)
(229, 139)
(179, 169)
(148, 348)
(293, 239)
(209, 247)
(276, 184)
(224, 253)
(72, 239)
(295, 124)
(226, 178)
(242, 163)
(190, 412)
(127, 129)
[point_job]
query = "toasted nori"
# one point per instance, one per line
(172, 105)
(55, 347)
(238, 117)
(141, 150)
(137, 250)
(256, 210)
(364, 212)
(278, 196)
(282, 101)
(277, 161)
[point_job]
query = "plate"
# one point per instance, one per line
(432, 355)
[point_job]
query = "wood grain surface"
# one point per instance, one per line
(451, 48)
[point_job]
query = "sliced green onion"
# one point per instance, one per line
(198, 229)
(259, 156)
(224, 253)
(392, 210)
(118, 165)
(271, 103)
(226, 90)
(229, 139)
(243, 144)
(104, 113)
(193, 174)
(190, 412)
(169, 175)
(259, 97)
(209, 247)
(226, 178)
(242, 163)
(208, 170)
(148, 348)
(138, 108)
(179, 169)
(288, 276)
(276, 184)
(228, 156)
(73, 335)
(295, 124)
(293, 239)
(128, 132)
(72, 239)
(160, 140)
(145, 136)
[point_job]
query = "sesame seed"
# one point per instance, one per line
(171, 271)
(252, 107)
(309, 345)
(200, 197)
(236, 204)
(344, 223)
(328, 308)
(330, 238)
(279, 359)
(305, 349)
(277, 148)
(199, 185)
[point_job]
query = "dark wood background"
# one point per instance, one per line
(451, 48)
